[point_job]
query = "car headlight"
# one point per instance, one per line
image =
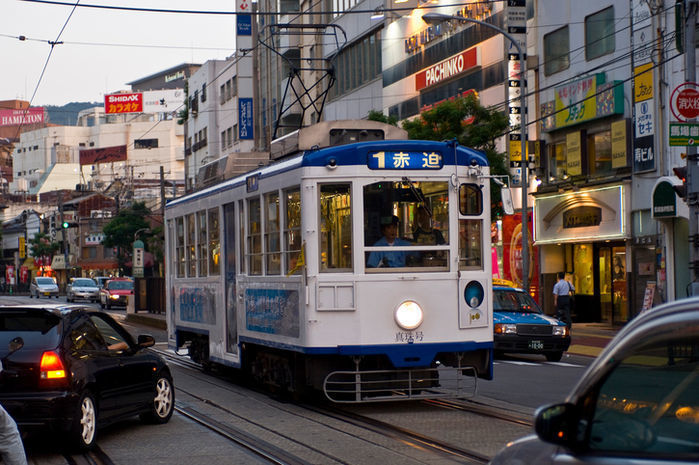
(560, 331)
(409, 315)
(114, 296)
(503, 328)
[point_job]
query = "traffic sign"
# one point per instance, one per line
(684, 134)
(684, 101)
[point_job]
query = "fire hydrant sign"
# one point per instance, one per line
(684, 101)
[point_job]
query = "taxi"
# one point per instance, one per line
(521, 327)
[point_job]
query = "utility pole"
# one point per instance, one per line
(690, 74)
(162, 191)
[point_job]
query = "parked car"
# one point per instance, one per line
(638, 402)
(43, 285)
(521, 327)
(71, 370)
(82, 288)
(116, 292)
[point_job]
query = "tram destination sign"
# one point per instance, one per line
(400, 160)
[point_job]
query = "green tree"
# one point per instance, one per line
(375, 115)
(119, 232)
(472, 125)
(42, 245)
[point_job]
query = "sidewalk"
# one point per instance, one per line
(590, 338)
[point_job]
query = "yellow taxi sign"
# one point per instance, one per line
(503, 282)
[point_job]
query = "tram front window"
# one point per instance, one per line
(413, 217)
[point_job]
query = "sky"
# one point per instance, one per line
(102, 50)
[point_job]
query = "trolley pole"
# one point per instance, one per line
(690, 73)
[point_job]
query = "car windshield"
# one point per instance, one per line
(120, 285)
(511, 300)
(45, 281)
(84, 283)
(38, 328)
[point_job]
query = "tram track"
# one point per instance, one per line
(343, 419)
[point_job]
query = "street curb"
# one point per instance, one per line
(146, 320)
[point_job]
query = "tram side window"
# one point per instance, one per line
(335, 227)
(470, 230)
(241, 237)
(254, 245)
(407, 214)
(202, 240)
(191, 246)
(214, 242)
(292, 230)
(179, 247)
(272, 245)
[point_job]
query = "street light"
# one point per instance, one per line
(436, 18)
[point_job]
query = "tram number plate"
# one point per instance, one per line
(536, 345)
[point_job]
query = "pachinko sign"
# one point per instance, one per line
(21, 117)
(123, 103)
(447, 69)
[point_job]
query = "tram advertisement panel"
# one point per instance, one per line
(273, 311)
(196, 305)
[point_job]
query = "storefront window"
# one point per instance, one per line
(599, 149)
(557, 162)
(583, 277)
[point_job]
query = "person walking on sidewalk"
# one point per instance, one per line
(561, 298)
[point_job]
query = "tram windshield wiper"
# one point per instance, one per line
(418, 194)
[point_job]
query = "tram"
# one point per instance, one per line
(357, 263)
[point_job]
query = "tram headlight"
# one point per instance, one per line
(409, 315)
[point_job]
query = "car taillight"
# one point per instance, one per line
(52, 367)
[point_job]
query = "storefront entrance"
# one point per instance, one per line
(599, 277)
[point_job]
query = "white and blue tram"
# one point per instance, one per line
(363, 270)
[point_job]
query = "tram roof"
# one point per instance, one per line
(348, 155)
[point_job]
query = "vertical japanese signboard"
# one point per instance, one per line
(245, 123)
(643, 101)
(516, 11)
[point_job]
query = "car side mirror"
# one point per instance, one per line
(557, 424)
(145, 340)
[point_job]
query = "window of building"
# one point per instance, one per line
(180, 247)
(335, 227)
(203, 93)
(191, 246)
(272, 242)
(145, 143)
(292, 230)
(254, 246)
(202, 243)
(358, 64)
(223, 140)
(599, 34)
(229, 137)
(557, 161)
(599, 149)
(222, 94)
(556, 51)
(214, 242)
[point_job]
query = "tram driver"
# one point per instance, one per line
(389, 229)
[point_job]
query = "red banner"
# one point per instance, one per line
(103, 155)
(512, 253)
(446, 69)
(123, 103)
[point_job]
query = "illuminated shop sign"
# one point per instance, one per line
(448, 68)
(404, 160)
(477, 10)
(123, 103)
(583, 100)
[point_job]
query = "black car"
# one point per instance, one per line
(73, 370)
